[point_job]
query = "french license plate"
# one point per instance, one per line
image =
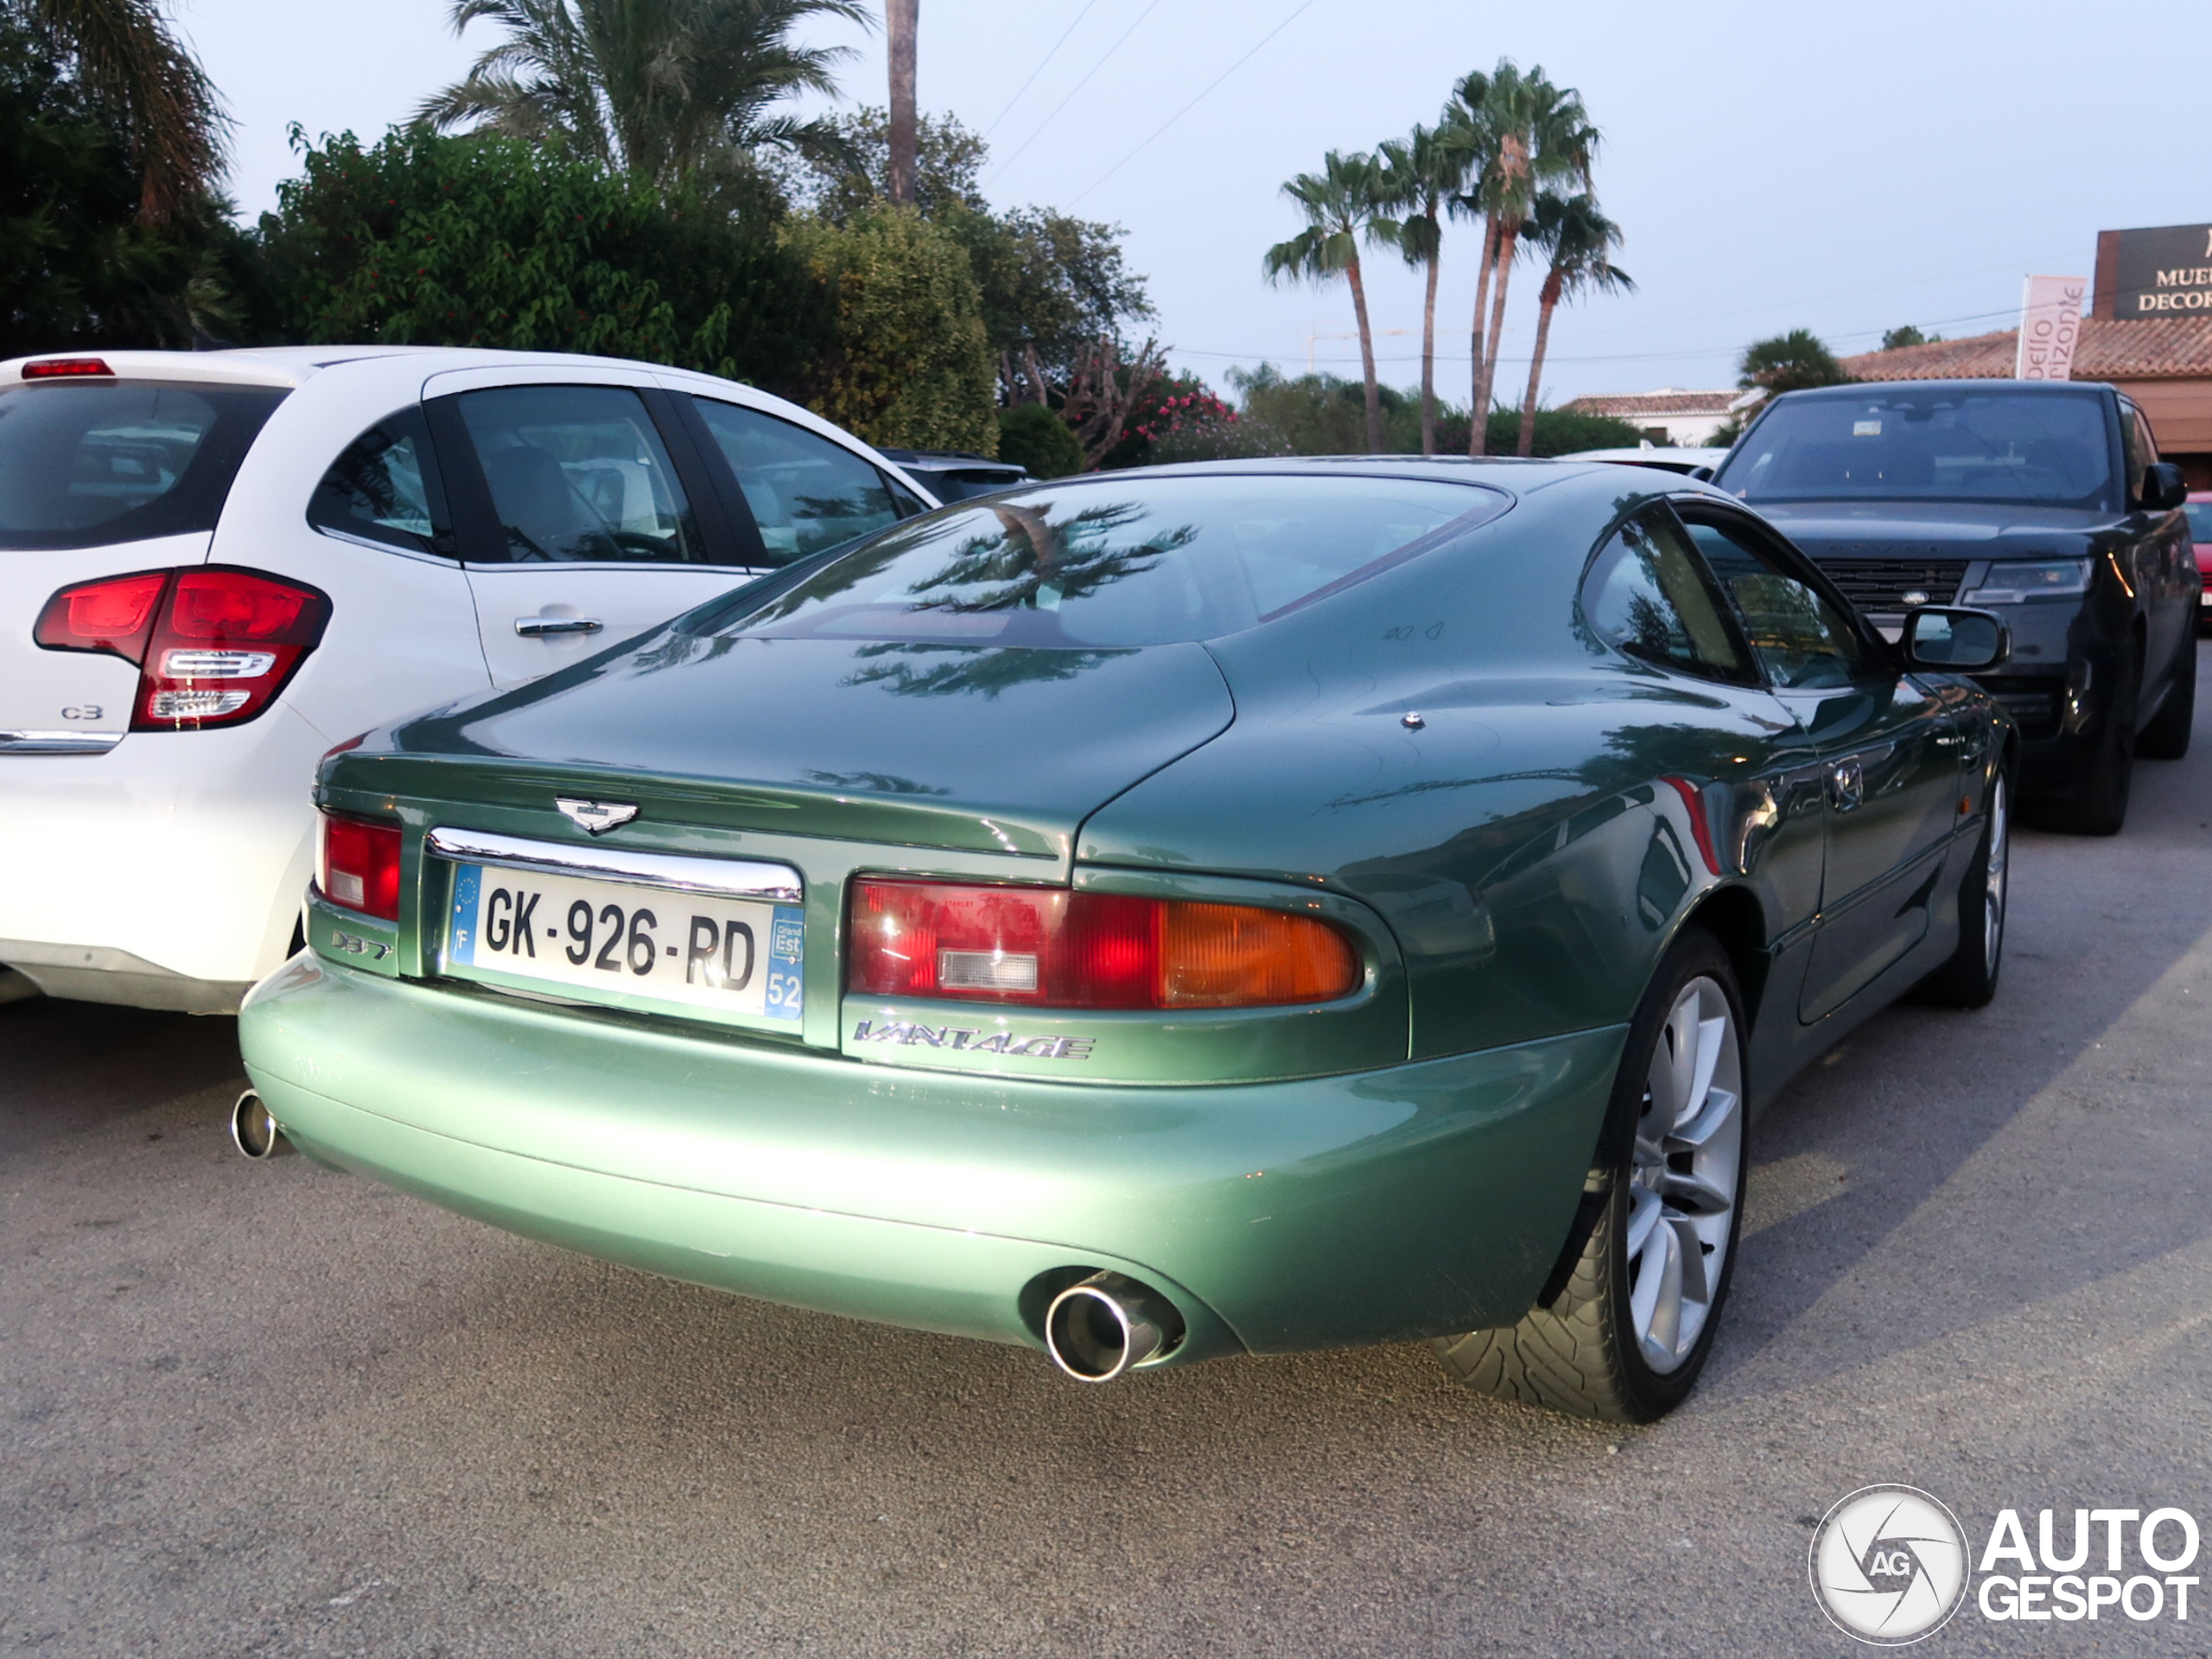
(731, 957)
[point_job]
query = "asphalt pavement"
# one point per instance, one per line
(273, 1410)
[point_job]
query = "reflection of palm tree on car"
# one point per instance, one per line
(1038, 565)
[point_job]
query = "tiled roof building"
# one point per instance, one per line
(2154, 348)
(1670, 415)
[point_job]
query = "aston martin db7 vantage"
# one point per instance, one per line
(1222, 910)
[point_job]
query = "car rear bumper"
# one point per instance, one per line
(1378, 1206)
(165, 872)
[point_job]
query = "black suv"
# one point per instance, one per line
(2044, 502)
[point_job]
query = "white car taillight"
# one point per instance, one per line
(246, 631)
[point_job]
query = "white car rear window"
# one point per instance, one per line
(86, 463)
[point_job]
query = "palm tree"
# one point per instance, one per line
(1421, 176)
(1467, 117)
(1580, 241)
(899, 16)
(135, 70)
(661, 89)
(1537, 133)
(1342, 205)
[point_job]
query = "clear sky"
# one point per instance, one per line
(1775, 164)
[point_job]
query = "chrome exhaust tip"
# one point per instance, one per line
(254, 1132)
(1107, 1326)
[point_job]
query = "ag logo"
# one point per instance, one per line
(1889, 1565)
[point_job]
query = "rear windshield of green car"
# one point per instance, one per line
(84, 463)
(1892, 443)
(1129, 560)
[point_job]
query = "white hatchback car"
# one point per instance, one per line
(214, 567)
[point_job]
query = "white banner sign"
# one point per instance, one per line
(2050, 322)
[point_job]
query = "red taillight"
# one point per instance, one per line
(116, 614)
(66, 368)
(1047, 947)
(212, 645)
(359, 865)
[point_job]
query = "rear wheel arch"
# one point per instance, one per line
(1736, 921)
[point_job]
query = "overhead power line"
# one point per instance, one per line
(1100, 63)
(1193, 103)
(1040, 69)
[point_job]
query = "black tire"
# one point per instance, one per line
(2099, 805)
(1583, 1353)
(1968, 980)
(2166, 738)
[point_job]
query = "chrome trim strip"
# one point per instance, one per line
(58, 742)
(733, 878)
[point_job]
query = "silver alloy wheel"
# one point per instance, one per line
(1993, 887)
(1690, 1146)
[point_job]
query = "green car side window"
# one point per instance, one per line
(1649, 594)
(1801, 640)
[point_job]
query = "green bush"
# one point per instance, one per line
(1032, 436)
(908, 362)
(481, 241)
(1558, 432)
(1218, 438)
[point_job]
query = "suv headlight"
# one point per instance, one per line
(2011, 581)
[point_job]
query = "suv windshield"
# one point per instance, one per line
(83, 462)
(1125, 561)
(1905, 443)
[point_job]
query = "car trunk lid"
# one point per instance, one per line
(990, 750)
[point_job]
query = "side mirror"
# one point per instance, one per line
(1955, 641)
(1703, 474)
(2164, 487)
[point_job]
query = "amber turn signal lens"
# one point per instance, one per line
(1233, 956)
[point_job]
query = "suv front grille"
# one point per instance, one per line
(1878, 585)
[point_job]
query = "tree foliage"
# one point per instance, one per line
(1032, 436)
(1908, 335)
(1052, 286)
(1789, 362)
(130, 70)
(485, 240)
(664, 90)
(907, 361)
(81, 264)
(1322, 415)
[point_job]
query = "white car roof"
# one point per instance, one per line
(291, 366)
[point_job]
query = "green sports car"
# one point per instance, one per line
(1161, 915)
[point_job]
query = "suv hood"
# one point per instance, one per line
(1955, 530)
(981, 748)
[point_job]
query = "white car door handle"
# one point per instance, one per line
(535, 627)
